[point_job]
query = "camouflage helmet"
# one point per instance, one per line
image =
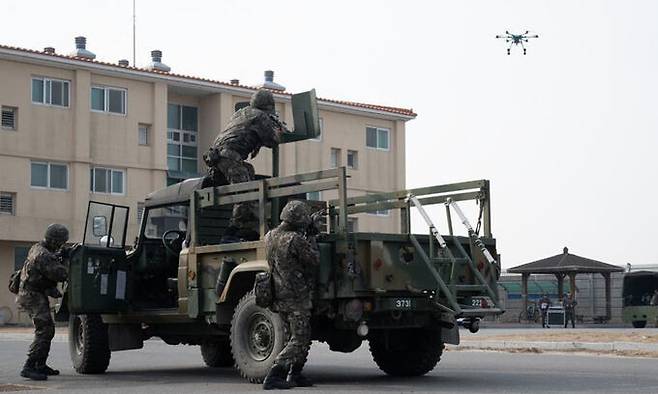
(263, 100)
(243, 214)
(296, 212)
(57, 232)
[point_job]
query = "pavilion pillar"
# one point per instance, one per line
(560, 285)
(572, 284)
(524, 290)
(608, 296)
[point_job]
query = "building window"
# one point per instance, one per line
(106, 99)
(319, 137)
(20, 255)
(377, 137)
(7, 203)
(314, 196)
(140, 212)
(334, 159)
(107, 180)
(49, 175)
(241, 104)
(352, 225)
(143, 131)
(50, 91)
(9, 118)
(352, 159)
(182, 125)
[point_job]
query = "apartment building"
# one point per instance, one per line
(76, 129)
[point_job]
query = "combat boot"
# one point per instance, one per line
(276, 378)
(30, 371)
(296, 379)
(46, 369)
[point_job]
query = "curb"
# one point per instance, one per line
(559, 346)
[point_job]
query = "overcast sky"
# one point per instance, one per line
(567, 134)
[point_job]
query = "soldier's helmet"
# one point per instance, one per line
(263, 100)
(57, 232)
(296, 213)
(243, 214)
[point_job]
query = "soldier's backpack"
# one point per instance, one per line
(15, 282)
(264, 289)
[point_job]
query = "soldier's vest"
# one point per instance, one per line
(31, 278)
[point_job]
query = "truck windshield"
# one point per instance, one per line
(162, 219)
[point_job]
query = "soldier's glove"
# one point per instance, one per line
(316, 223)
(52, 292)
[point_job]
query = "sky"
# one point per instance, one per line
(566, 134)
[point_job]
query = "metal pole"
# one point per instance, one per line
(134, 22)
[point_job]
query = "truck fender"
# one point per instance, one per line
(241, 280)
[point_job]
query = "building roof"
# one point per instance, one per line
(403, 112)
(563, 263)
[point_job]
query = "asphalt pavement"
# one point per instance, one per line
(160, 368)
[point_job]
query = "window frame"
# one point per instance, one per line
(338, 157)
(148, 133)
(48, 178)
(377, 130)
(111, 171)
(355, 159)
(50, 98)
(181, 133)
(106, 100)
(12, 196)
(15, 111)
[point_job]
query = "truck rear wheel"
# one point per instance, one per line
(88, 344)
(408, 352)
(257, 337)
(217, 354)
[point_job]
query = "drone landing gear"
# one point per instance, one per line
(508, 51)
(524, 51)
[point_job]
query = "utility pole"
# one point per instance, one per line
(134, 60)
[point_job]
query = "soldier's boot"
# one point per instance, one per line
(30, 371)
(276, 378)
(41, 366)
(296, 379)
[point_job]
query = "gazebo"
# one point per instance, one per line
(563, 265)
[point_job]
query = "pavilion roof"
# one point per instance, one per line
(565, 263)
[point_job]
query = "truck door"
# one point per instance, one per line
(99, 276)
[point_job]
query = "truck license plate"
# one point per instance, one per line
(402, 303)
(481, 302)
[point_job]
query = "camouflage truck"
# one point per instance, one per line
(401, 292)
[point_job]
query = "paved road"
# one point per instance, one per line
(159, 368)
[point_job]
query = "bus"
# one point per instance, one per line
(639, 298)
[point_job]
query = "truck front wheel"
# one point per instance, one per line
(406, 352)
(88, 344)
(257, 337)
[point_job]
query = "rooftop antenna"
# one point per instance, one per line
(134, 61)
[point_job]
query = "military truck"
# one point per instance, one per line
(401, 292)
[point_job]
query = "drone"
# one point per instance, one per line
(516, 39)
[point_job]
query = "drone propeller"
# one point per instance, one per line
(535, 36)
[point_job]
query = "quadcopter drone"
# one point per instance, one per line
(516, 39)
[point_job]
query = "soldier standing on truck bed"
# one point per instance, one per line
(42, 271)
(293, 255)
(248, 130)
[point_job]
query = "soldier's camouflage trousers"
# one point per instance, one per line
(298, 325)
(37, 306)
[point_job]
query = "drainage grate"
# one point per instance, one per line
(6, 388)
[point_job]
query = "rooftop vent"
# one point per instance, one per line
(81, 48)
(156, 62)
(49, 50)
(235, 81)
(269, 82)
(124, 63)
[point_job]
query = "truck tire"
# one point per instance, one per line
(639, 323)
(88, 344)
(408, 352)
(217, 354)
(257, 337)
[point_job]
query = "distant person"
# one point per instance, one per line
(654, 299)
(544, 304)
(569, 303)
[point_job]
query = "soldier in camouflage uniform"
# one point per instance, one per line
(293, 256)
(42, 271)
(248, 130)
